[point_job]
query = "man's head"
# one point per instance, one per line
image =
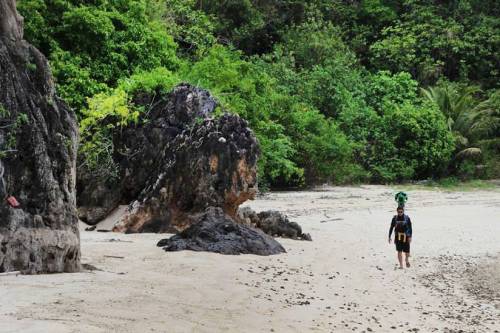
(400, 211)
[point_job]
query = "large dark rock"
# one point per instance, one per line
(176, 162)
(273, 223)
(38, 138)
(214, 231)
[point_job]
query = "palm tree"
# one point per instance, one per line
(468, 120)
(488, 111)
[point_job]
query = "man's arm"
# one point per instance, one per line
(409, 230)
(393, 224)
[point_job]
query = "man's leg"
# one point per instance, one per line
(400, 258)
(408, 256)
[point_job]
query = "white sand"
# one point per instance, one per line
(343, 281)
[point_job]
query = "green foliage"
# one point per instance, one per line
(159, 79)
(92, 46)
(75, 79)
(488, 116)
(373, 111)
(252, 26)
(405, 142)
(457, 105)
(192, 29)
(104, 114)
(104, 106)
(10, 130)
(3, 111)
(384, 90)
(316, 42)
(467, 170)
(471, 122)
(108, 111)
(315, 64)
(31, 67)
(322, 149)
(330, 88)
(283, 125)
(421, 137)
(431, 41)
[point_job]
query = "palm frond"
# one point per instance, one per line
(464, 115)
(490, 144)
(488, 116)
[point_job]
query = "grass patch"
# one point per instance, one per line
(454, 184)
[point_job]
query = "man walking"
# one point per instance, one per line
(401, 224)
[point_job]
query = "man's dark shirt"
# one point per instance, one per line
(398, 223)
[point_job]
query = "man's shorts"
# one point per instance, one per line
(402, 246)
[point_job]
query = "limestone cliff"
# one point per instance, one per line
(38, 138)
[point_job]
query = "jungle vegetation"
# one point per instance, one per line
(336, 91)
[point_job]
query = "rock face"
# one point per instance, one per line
(173, 166)
(11, 23)
(214, 231)
(38, 139)
(272, 223)
(248, 216)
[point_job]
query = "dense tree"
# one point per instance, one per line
(332, 89)
(253, 25)
(193, 30)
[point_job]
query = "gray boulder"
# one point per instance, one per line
(273, 223)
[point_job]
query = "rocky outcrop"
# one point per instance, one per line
(11, 23)
(214, 231)
(272, 223)
(176, 162)
(38, 138)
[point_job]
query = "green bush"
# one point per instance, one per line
(384, 89)
(421, 137)
(158, 79)
(405, 142)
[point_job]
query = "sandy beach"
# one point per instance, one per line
(345, 280)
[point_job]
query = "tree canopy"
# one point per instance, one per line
(336, 91)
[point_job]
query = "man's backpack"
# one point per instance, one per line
(400, 228)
